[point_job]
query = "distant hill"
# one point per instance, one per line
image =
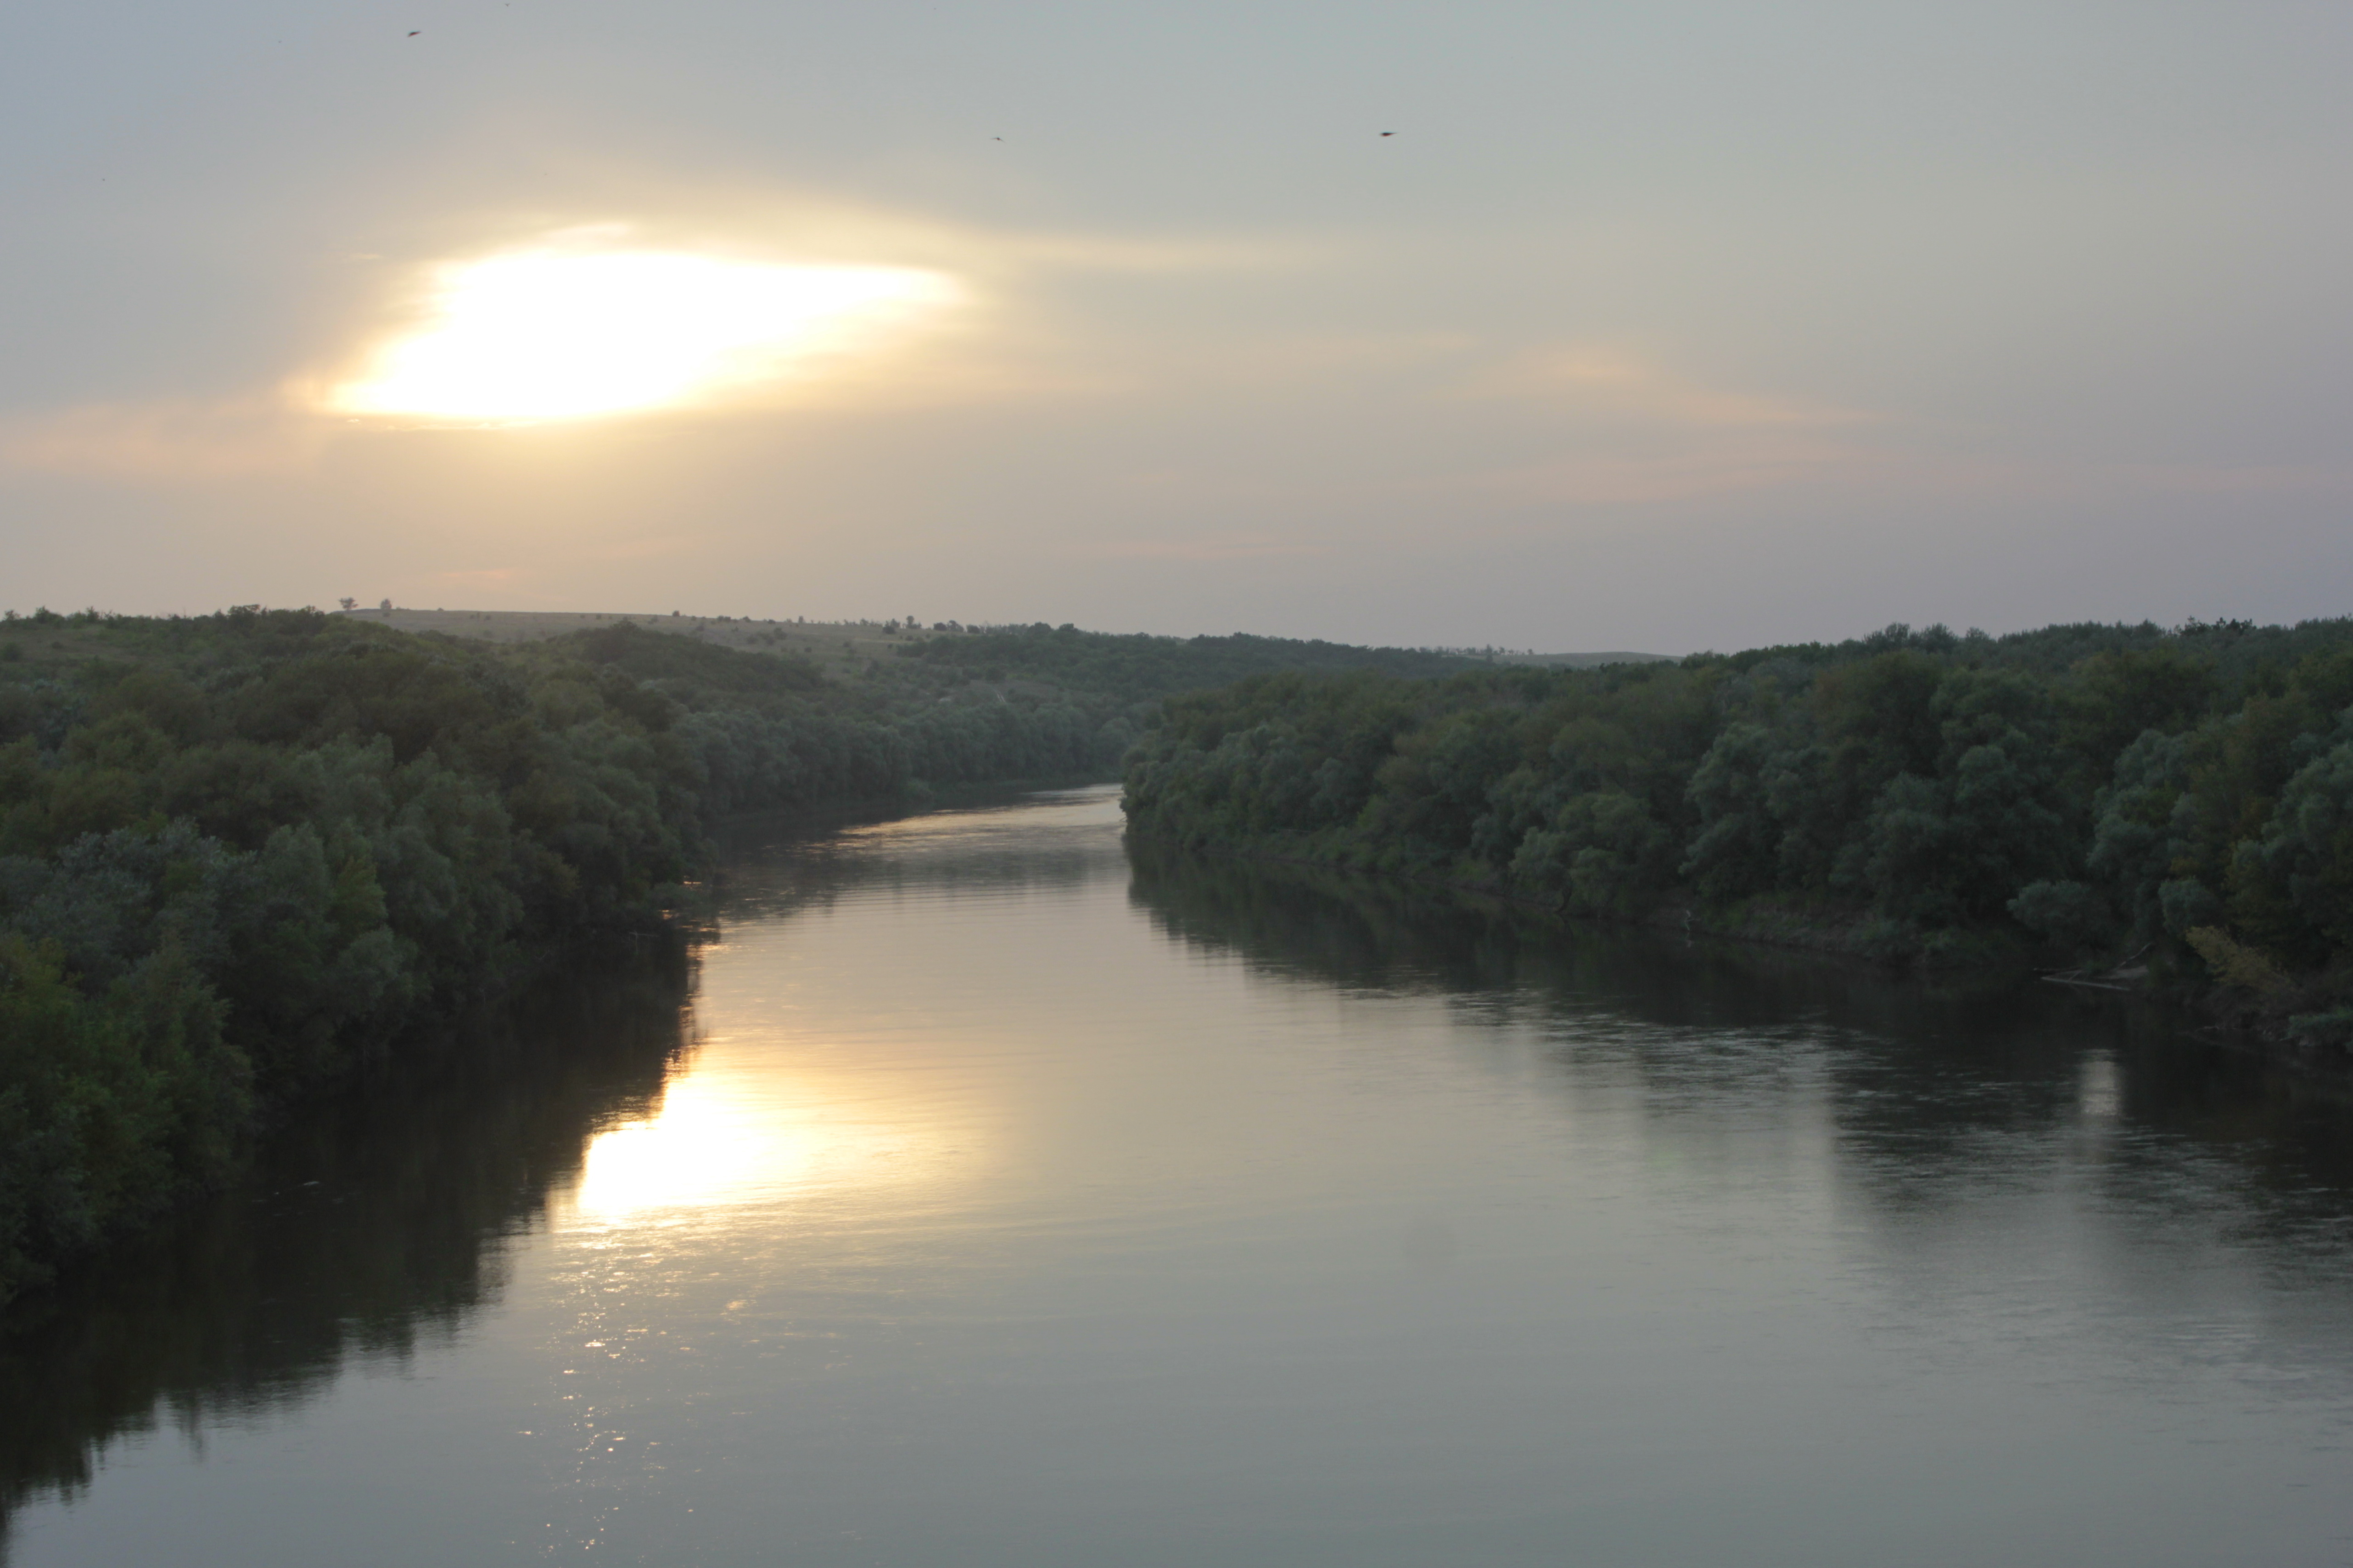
(1582, 660)
(1138, 667)
(1125, 667)
(834, 642)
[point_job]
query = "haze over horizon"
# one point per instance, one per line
(1695, 325)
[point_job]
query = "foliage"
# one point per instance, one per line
(2089, 791)
(239, 851)
(1138, 667)
(2235, 962)
(388, 1207)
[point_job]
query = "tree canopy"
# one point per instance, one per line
(2179, 795)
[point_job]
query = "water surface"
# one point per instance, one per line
(994, 1197)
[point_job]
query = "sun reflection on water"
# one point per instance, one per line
(729, 1133)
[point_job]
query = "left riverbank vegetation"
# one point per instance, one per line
(241, 852)
(2133, 806)
(389, 1206)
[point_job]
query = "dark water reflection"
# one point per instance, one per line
(1927, 1073)
(374, 1225)
(1027, 1199)
(1965, 1112)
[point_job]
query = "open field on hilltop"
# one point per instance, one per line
(831, 643)
(1583, 660)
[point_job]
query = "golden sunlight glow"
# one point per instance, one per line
(728, 1135)
(564, 333)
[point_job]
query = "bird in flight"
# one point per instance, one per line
(1385, 132)
(413, 34)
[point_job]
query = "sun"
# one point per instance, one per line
(560, 334)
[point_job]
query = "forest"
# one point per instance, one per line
(1137, 667)
(2131, 806)
(241, 852)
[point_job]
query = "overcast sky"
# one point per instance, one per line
(1657, 326)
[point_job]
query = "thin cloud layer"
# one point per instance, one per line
(165, 441)
(1607, 382)
(575, 333)
(1691, 323)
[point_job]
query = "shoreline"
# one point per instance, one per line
(2236, 1029)
(420, 1043)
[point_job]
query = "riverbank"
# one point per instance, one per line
(374, 1048)
(992, 1184)
(241, 854)
(2249, 1023)
(1847, 933)
(2082, 798)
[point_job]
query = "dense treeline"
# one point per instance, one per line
(2124, 795)
(237, 851)
(1139, 668)
(767, 729)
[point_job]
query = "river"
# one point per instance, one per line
(982, 1195)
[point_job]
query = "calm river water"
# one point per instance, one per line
(983, 1197)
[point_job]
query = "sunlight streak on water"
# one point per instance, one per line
(727, 1133)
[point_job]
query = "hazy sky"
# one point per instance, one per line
(1656, 326)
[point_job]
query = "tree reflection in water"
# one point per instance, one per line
(375, 1222)
(1971, 1132)
(1948, 1095)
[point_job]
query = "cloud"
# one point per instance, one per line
(669, 312)
(2079, 482)
(988, 351)
(1596, 380)
(1640, 432)
(567, 331)
(1229, 547)
(1889, 476)
(1094, 253)
(168, 440)
(1604, 479)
